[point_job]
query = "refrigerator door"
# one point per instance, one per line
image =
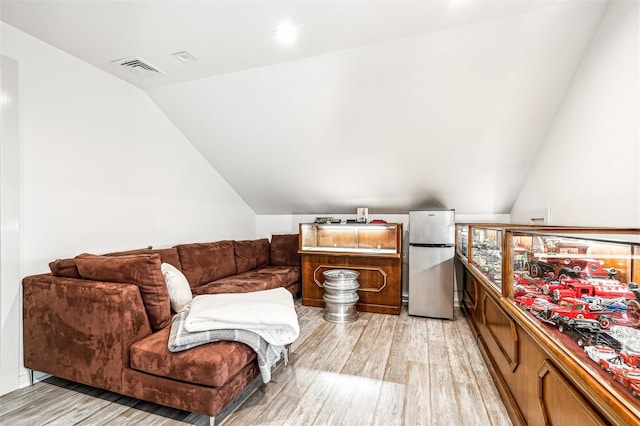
(431, 284)
(432, 227)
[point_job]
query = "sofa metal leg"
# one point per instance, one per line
(31, 377)
(212, 420)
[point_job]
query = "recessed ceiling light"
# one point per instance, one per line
(286, 33)
(184, 56)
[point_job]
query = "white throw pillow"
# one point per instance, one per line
(178, 286)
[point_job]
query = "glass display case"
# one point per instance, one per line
(350, 238)
(486, 252)
(462, 240)
(582, 290)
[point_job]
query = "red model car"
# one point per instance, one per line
(603, 356)
(634, 387)
(540, 305)
(571, 307)
(587, 268)
(633, 312)
(607, 289)
(629, 377)
(569, 267)
(522, 278)
(608, 364)
(631, 359)
(533, 301)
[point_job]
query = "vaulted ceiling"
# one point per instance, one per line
(392, 105)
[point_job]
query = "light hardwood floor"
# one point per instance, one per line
(379, 370)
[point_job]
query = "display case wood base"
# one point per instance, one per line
(537, 381)
(380, 279)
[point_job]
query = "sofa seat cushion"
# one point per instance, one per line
(264, 278)
(211, 364)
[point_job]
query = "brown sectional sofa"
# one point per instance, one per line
(105, 320)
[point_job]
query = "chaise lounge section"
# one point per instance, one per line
(104, 321)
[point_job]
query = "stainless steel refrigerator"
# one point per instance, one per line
(431, 251)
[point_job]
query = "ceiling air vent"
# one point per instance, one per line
(138, 66)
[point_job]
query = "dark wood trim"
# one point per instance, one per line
(548, 370)
(473, 297)
(511, 359)
(599, 391)
(358, 268)
(351, 254)
(510, 403)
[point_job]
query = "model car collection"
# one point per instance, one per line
(487, 255)
(579, 296)
(575, 295)
(582, 291)
(596, 311)
(622, 366)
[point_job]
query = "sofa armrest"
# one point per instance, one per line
(81, 330)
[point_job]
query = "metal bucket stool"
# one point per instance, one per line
(340, 295)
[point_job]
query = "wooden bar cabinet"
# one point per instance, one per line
(373, 250)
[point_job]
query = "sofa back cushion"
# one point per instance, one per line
(142, 270)
(206, 262)
(262, 252)
(284, 250)
(251, 254)
(167, 255)
(67, 267)
(64, 268)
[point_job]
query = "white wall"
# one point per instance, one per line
(104, 169)
(586, 171)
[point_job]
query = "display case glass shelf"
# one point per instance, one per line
(462, 240)
(583, 291)
(486, 252)
(350, 238)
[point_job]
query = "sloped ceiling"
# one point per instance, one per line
(389, 105)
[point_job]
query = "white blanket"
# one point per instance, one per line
(269, 314)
